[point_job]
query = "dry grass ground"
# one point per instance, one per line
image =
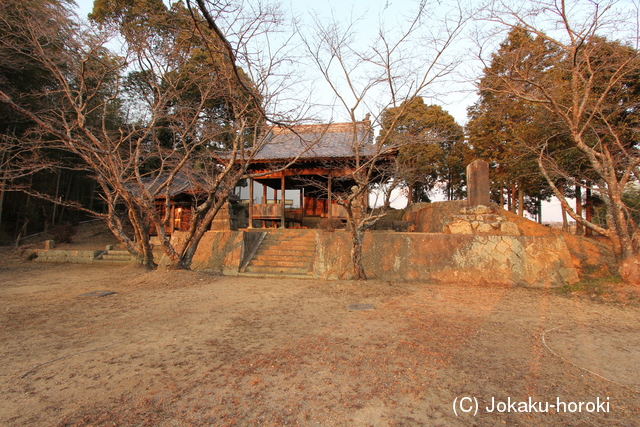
(191, 349)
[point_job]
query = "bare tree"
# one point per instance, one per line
(139, 120)
(397, 65)
(589, 90)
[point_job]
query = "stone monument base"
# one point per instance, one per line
(481, 220)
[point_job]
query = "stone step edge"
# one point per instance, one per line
(284, 253)
(276, 270)
(279, 263)
(268, 238)
(286, 275)
(286, 245)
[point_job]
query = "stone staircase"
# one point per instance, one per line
(284, 252)
(115, 257)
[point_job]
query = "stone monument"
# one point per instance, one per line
(478, 183)
(479, 217)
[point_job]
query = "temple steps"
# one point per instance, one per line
(115, 257)
(284, 253)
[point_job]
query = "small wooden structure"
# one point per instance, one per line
(328, 155)
(182, 198)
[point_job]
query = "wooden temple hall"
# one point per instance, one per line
(303, 193)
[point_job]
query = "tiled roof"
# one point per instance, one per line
(323, 141)
(182, 183)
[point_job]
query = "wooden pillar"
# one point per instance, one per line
(251, 202)
(283, 199)
(301, 205)
(264, 202)
(329, 198)
(172, 217)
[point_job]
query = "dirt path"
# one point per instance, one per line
(185, 348)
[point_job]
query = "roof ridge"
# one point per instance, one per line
(319, 127)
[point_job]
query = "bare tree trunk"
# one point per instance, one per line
(354, 219)
(142, 251)
(589, 212)
(22, 233)
(356, 254)
(621, 224)
(54, 215)
(610, 231)
(579, 226)
(520, 200)
(62, 208)
(539, 203)
(565, 222)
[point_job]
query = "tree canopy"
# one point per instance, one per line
(432, 147)
(502, 128)
(573, 102)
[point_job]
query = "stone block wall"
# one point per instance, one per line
(483, 220)
(437, 258)
(218, 252)
(66, 256)
(592, 256)
(453, 258)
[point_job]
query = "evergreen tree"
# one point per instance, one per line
(433, 150)
(581, 92)
(502, 128)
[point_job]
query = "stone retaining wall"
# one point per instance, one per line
(440, 258)
(218, 252)
(541, 261)
(62, 256)
(450, 258)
